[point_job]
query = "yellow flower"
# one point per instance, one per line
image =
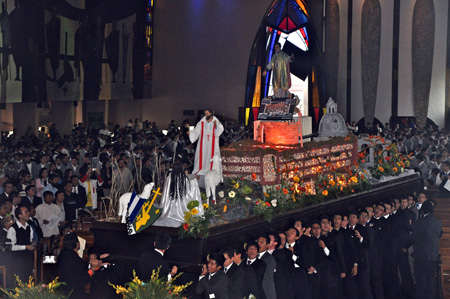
(296, 179)
(236, 186)
(205, 206)
(381, 169)
(354, 179)
(194, 211)
(325, 192)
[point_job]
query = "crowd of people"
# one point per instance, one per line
(48, 181)
(385, 250)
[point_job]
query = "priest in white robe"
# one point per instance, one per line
(207, 132)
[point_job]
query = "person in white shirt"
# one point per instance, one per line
(45, 212)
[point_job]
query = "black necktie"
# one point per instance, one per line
(249, 263)
(225, 270)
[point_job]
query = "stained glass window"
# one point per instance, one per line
(148, 41)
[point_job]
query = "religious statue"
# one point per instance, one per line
(207, 131)
(179, 190)
(281, 79)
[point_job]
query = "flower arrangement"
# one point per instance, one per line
(388, 161)
(196, 226)
(297, 192)
(32, 290)
(155, 288)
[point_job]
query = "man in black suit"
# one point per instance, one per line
(73, 270)
(8, 187)
(213, 281)
(250, 284)
(426, 233)
(361, 240)
(406, 220)
(283, 277)
(153, 259)
(78, 189)
(72, 201)
(257, 265)
(30, 198)
(444, 192)
(297, 244)
(350, 256)
(235, 274)
(271, 266)
(336, 265)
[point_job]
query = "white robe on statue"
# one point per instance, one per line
(207, 146)
(172, 214)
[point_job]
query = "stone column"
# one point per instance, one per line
(370, 55)
(422, 56)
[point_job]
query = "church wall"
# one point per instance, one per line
(384, 92)
(201, 52)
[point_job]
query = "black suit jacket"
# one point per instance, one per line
(82, 194)
(250, 282)
(150, 260)
(425, 236)
(73, 271)
(217, 285)
(260, 268)
(25, 201)
(284, 276)
(236, 278)
(37, 228)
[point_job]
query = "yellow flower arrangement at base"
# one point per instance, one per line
(155, 288)
(32, 290)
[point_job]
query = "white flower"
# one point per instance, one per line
(274, 203)
(231, 194)
(248, 198)
(221, 194)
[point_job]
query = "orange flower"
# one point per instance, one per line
(332, 182)
(285, 191)
(267, 195)
(296, 179)
(354, 179)
(325, 192)
(267, 204)
(395, 169)
(186, 226)
(253, 176)
(224, 208)
(381, 169)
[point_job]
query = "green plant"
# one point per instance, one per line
(32, 290)
(155, 288)
(196, 226)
